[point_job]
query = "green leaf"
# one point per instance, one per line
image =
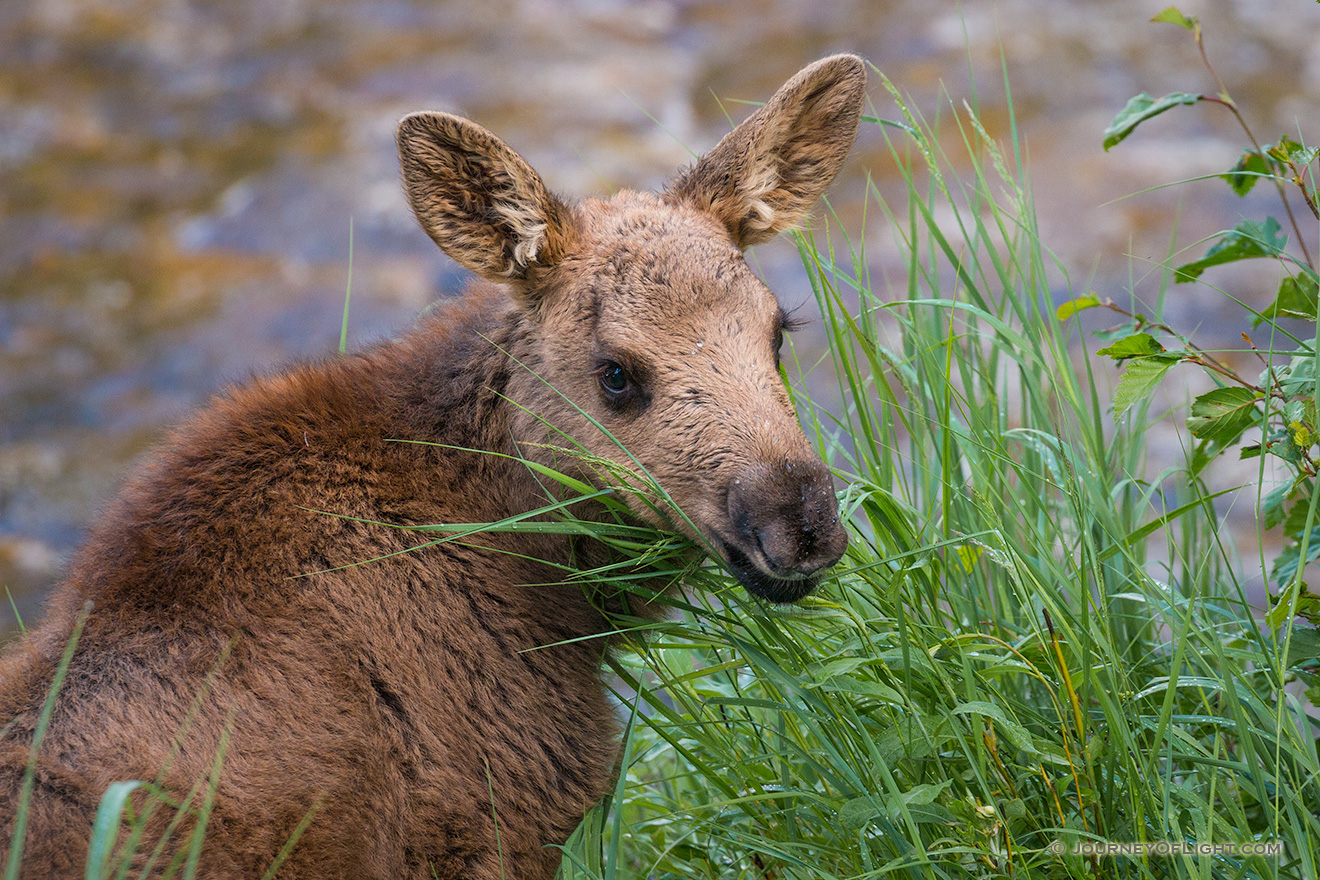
(1297, 380)
(1287, 562)
(1272, 509)
(857, 813)
(866, 688)
(1138, 380)
(1221, 415)
(919, 802)
(1305, 645)
(932, 814)
(1141, 108)
(1250, 168)
(1275, 160)
(1305, 604)
(1136, 345)
(924, 793)
(1243, 242)
(1298, 297)
(1113, 334)
(1014, 732)
(1307, 607)
(1285, 447)
(1296, 521)
(1073, 306)
(1288, 150)
(1172, 15)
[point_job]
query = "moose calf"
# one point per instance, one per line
(439, 712)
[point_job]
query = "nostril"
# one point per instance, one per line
(775, 546)
(786, 520)
(828, 549)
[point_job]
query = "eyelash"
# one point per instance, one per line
(788, 322)
(791, 321)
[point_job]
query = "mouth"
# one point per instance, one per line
(772, 588)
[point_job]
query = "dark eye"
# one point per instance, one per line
(622, 388)
(614, 379)
(779, 344)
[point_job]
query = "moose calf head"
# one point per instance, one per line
(641, 312)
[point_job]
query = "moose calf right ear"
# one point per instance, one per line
(478, 199)
(765, 175)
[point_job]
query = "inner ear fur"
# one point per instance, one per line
(765, 175)
(478, 199)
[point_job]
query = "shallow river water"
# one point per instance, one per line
(178, 177)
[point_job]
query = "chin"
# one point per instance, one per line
(781, 591)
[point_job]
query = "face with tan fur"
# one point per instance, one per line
(642, 312)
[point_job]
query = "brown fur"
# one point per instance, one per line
(416, 702)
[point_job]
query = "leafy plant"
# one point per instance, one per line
(1281, 401)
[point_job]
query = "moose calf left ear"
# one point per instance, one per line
(765, 175)
(478, 199)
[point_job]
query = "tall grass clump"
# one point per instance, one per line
(1034, 648)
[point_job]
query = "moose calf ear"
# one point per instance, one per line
(478, 199)
(765, 174)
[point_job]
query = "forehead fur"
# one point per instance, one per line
(652, 254)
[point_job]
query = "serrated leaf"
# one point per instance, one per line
(1113, 334)
(1073, 306)
(1305, 604)
(1248, 240)
(1136, 345)
(1221, 415)
(1296, 521)
(1272, 511)
(1307, 607)
(1305, 645)
(1287, 562)
(1284, 447)
(1139, 109)
(1250, 168)
(1288, 150)
(1298, 297)
(1297, 379)
(1138, 380)
(1173, 15)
